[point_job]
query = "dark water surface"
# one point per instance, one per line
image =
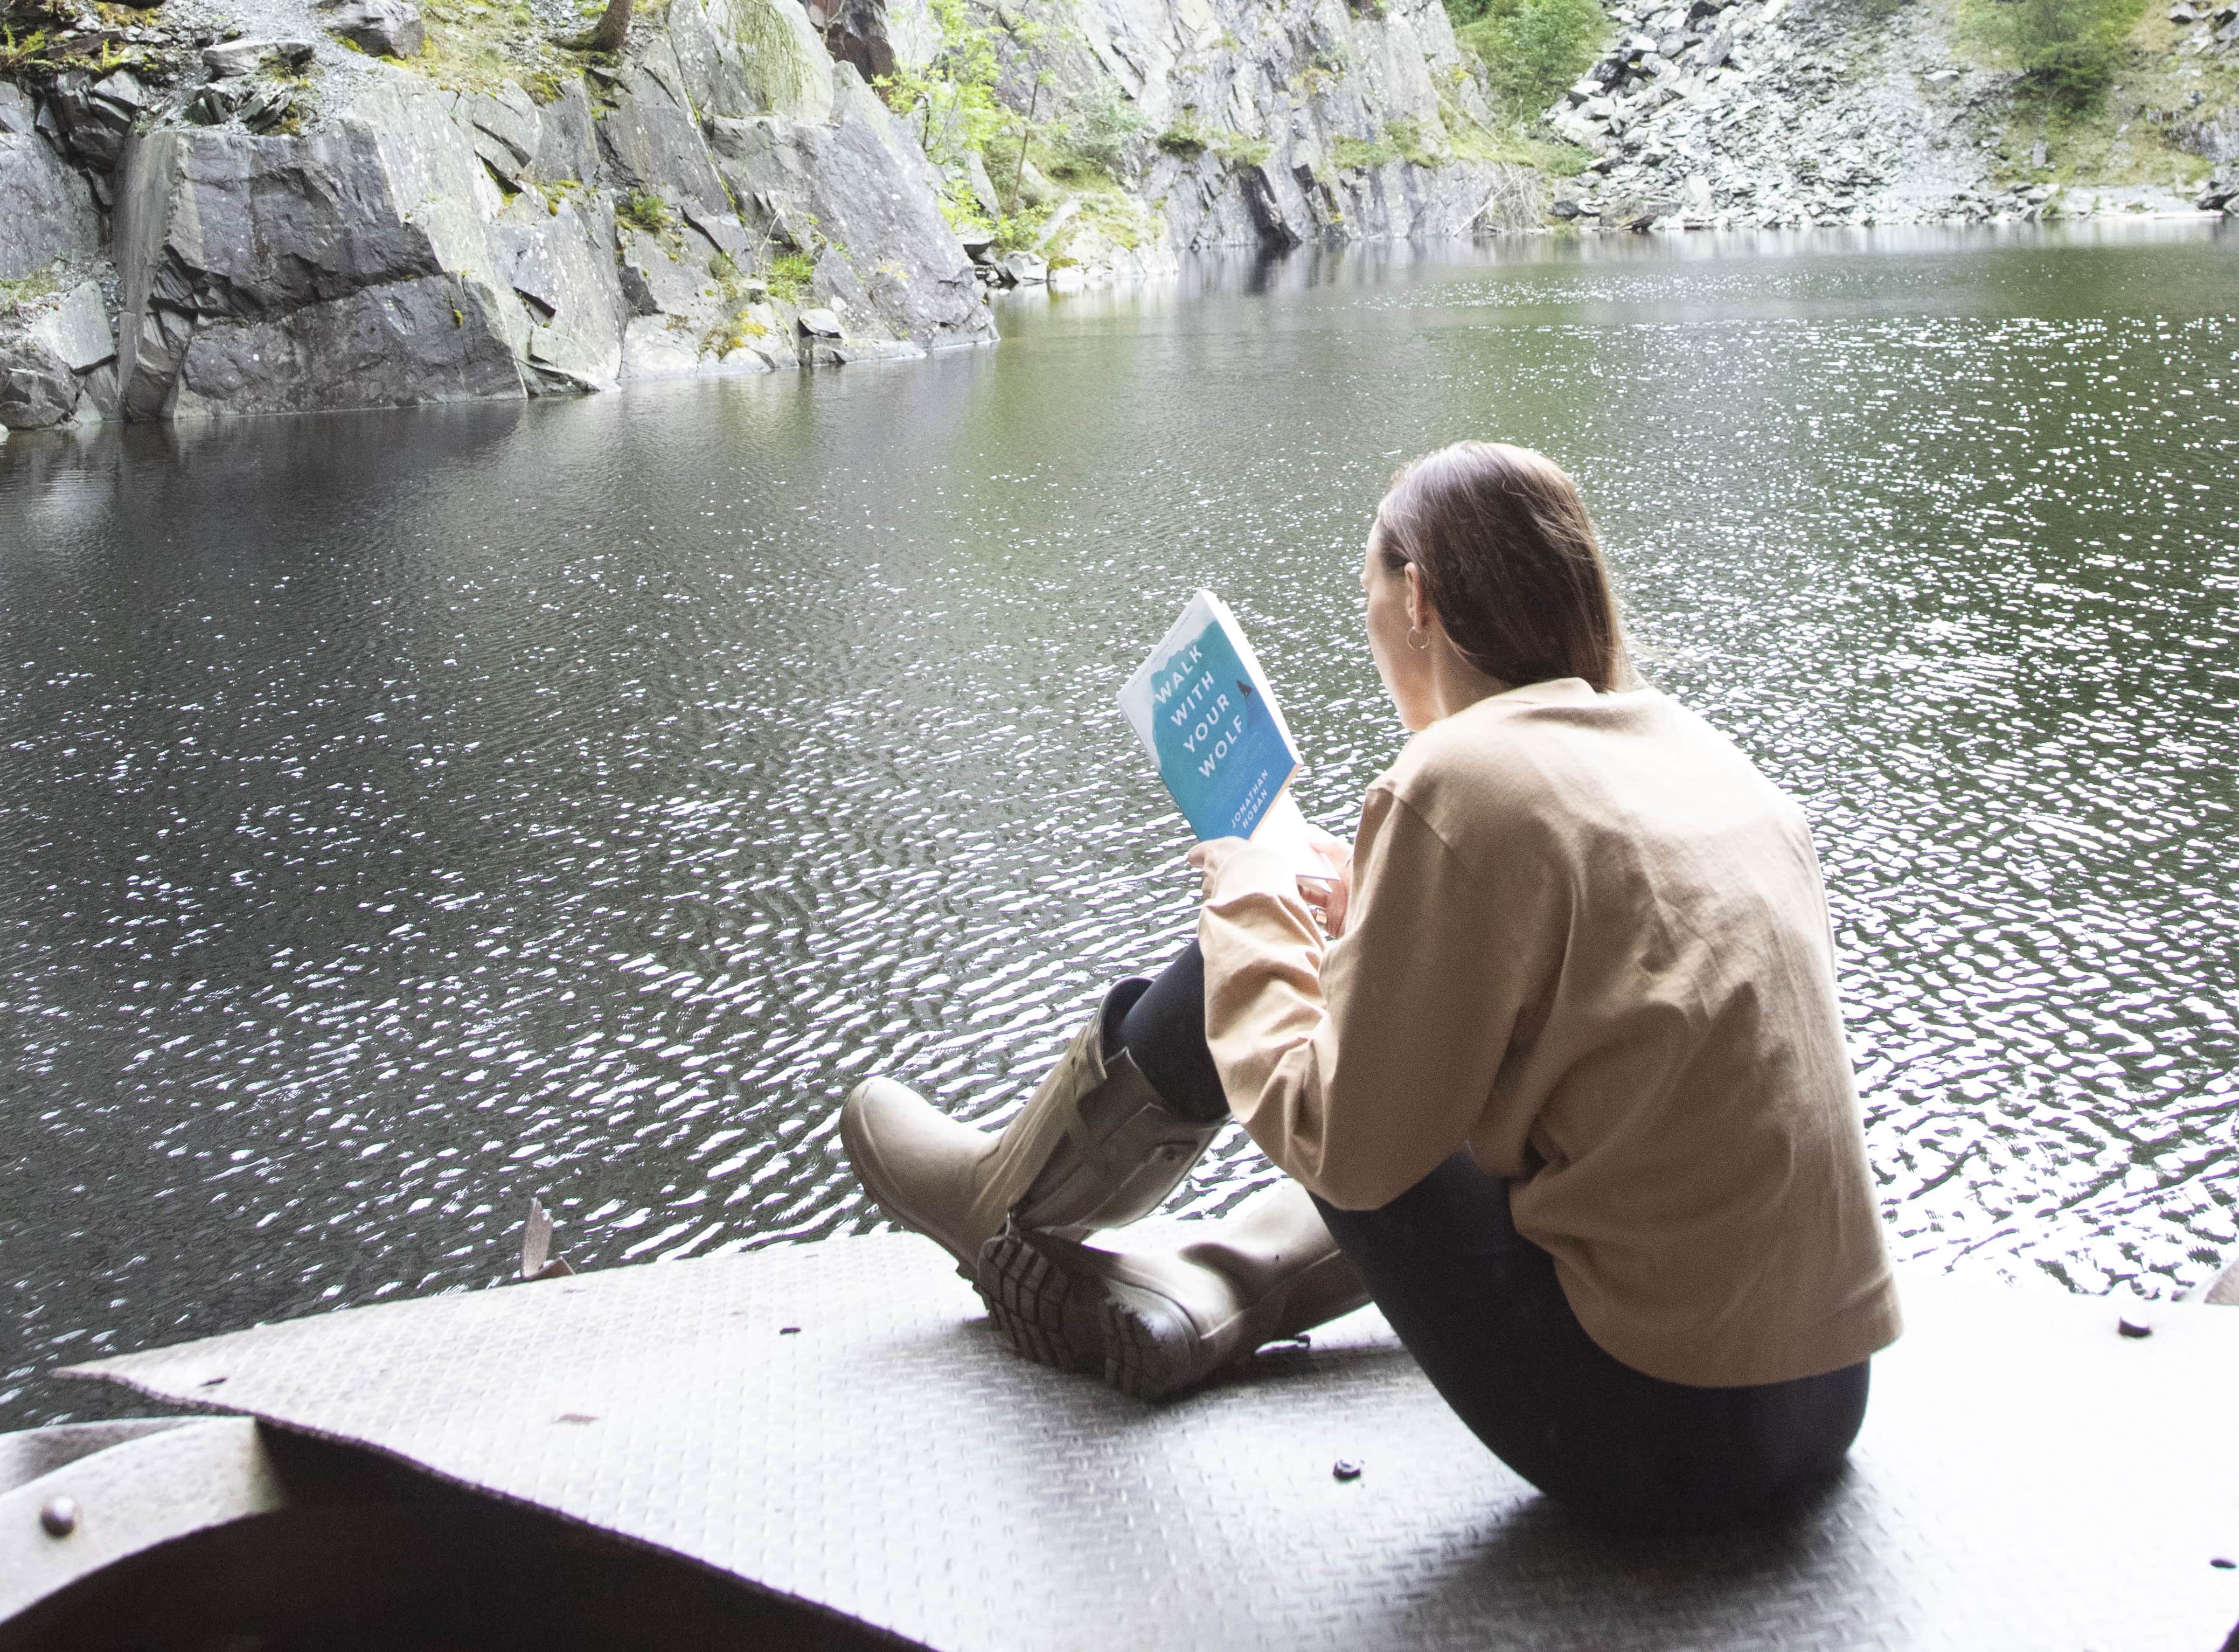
(403, 814)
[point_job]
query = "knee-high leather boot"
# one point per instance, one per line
(1094, 1147)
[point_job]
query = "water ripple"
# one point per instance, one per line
(403, 814)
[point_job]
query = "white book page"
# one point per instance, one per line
(1283, 829)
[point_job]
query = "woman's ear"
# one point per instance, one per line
(1418, 605)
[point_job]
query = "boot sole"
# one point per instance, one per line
(1151, 1346)
(1038, 1308)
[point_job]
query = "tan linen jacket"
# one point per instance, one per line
(1589, 943)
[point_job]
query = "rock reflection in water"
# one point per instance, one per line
(401, 814)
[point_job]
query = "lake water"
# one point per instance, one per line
(404, 814)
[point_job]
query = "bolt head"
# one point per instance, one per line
(59, 1516)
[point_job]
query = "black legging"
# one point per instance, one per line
(1480, 1308)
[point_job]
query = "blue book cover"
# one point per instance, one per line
(1204, 709)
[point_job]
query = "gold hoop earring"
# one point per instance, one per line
(1423, 647)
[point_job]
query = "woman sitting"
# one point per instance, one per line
(1555, 1071)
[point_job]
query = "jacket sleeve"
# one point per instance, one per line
(1360, 1065)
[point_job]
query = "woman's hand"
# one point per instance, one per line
(1331, 899)
(1212, 854)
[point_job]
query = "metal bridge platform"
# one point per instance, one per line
(832, 1435)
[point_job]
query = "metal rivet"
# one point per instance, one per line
(1345, 1468)
(59, 1516)
(2127, 1326)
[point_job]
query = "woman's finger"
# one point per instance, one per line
(1208, 855)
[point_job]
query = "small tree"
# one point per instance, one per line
(2068, 50)
(2072, 76)
(612, 33)
(1531, 49)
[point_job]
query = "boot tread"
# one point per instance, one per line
(1151, 1345)
(1027, 1297)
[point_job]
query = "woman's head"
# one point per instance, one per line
(1483, 573)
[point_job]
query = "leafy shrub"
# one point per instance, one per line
(1241, 149)
(1531, 49)
(953, 100)
(739, 331)
(1356, 153)
(1022, 232)
(959, 203)
(1104, 119)
(1407, 136)
(2067, 51)
(647, 212)
(2072, 76)
(1184, 142)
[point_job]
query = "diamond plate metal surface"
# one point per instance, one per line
(2027, 1477)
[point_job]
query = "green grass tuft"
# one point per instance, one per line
(27, 289)
(647, 212)
(1184, 141)
(790, 274)
(1359, 154)
(483, 45)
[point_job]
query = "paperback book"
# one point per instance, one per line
(1207, 715)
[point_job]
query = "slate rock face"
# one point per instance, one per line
(53, 340)
(739, 57)
(92, 120)
(37, 386)
(505, 129)
(649, 142)
(878, 36)
(18, 114)
(397, 343)
(282, 273)
(46, 209)
(236, 57)
(431, 245)
(379, 28)
(1287, 121)
(557, 263)
(77, 328)
(881, 245)
(566, 145)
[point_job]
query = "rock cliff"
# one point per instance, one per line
(1277, 122)
(255, 206)
(262, 209)
(723, 198)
